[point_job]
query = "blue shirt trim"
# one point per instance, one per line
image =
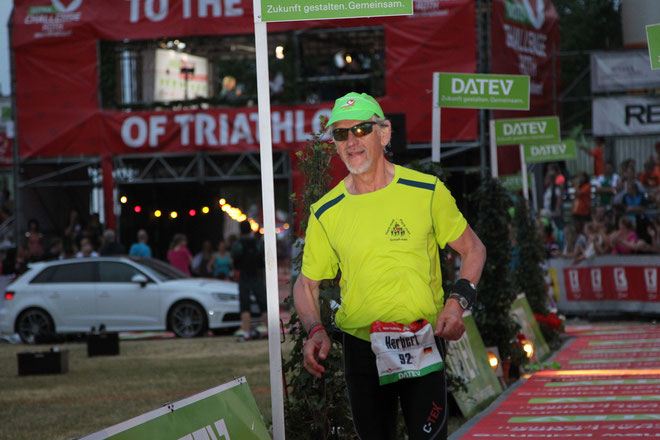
(328, 205)
(416, 184)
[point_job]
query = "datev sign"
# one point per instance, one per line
(541, 130)
(290, 10)
(565, 150)
(477, 90)
(653, 39)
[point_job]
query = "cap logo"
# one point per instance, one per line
(349, 103)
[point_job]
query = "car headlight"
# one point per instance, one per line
(225, 296)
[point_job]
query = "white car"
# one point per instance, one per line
(120, 293)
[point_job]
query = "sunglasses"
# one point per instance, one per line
(359, 130)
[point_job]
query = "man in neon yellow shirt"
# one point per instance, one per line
(380, 228)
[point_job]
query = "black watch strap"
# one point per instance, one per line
(465, 289)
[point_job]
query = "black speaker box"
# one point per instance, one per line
(103, 344)
(44, 362)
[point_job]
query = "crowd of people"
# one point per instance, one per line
(91, 239)
(611, 213)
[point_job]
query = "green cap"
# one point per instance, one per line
(355, 106)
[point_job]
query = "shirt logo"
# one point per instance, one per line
(398, 231)
(349, 103)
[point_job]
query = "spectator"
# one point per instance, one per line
(34, 240)
(586, 245)
(86, 249)
(552, 200)
(74, 229)
(179, 256)
(582, 200)
(549, 243)
(110, 244)
(625, 240)
(606, 185)
(140, 248)
(220, 265)
(203, 259)
(654, 232)
(54, 251)
(94, 230)
(633, 201)
(598, 154)
(650, 177)
(6, 205)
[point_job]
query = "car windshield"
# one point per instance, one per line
(162, 271)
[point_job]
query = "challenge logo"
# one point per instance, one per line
(574, 280)
(397, 230)
(524, 12)
(349, 103)
(651, 281)
(54, 18)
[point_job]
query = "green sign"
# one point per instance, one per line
(467, 358)
(522, 313)
(513, 182)
(565, 150)
(653, 38)
(290, 10)
(527, 131)
(226, 412)
(477, 90)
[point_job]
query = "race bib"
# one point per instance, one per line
(404, 351)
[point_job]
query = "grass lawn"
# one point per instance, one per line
(99, 392)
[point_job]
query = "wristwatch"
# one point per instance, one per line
(462, 301)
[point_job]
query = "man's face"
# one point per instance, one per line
(360, 154)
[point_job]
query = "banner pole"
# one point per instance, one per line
(493, 149)
(435, 120)
(268, 203)
(523, 172)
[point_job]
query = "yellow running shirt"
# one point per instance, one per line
(385, 243)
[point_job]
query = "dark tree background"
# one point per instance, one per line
(586, 25)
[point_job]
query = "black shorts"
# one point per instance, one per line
(375, 407)
(252, 287)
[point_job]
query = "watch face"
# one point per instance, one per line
(463, 302)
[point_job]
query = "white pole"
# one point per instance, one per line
(493, 149)
(435, 120)
(268, 200)
(535, 198)
(523, 172)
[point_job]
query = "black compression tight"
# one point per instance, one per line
(375, 407)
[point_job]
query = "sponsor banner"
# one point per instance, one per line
(61, 113)
(289, 10)
(622, 71)
(468, 359)
(521, 312)
(525, 41)
(653, 39)
(625, 116)
(608, 283)
(480, 90)
(565, 150)
(225, 412)
(513, 182)
(527, 131)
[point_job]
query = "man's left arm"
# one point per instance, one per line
(449, 324)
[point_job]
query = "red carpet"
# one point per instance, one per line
(608, 387)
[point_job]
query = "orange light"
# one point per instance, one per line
(205, 210)
(493, 361)
(123, 199)
(222, 202)
(157, 213)
(174, 214)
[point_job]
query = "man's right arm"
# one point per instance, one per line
(306, 302)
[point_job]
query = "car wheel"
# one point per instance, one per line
(187, 319)
(34, 324)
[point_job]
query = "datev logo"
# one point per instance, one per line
(574, 281)
(208, 433)
(524, 12)
(620, 279)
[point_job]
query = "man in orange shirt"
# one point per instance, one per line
(598, 154)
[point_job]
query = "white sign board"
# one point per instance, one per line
(621, 71)
(626, 115)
